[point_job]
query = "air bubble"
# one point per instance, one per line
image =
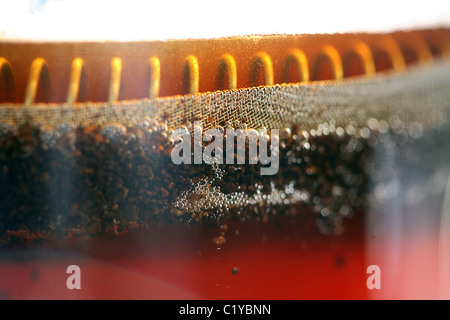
(383, 126)
(162, 127)
(340, 131)
(48, 137)
(305, 134)
(306, 145)
(332, 128)
(285, 133)
(324, 212)
(365, 133)
(372, 123)
(207, 136)
(7, 127)
(415, 130)
(219, 129)
(197, 129)
(65, 128)
(114, 132)
(350, 130)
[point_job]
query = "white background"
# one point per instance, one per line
(168, 19)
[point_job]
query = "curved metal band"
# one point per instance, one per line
(114, 83)
(38, 73)
(227, 64)
(393, 50)
(6, 70)
(362, 50)
(263, 60)
(75, 80)
(154, 77)
(297, 57)
(440, 39)
(192, 77)
(419, 46)
(330, 53)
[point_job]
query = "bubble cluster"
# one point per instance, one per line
(111, 176)
(113, 132)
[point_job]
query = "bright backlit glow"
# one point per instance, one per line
(169, 19)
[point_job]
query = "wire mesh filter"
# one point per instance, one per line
(105, 165)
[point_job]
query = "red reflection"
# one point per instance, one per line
(286, 259)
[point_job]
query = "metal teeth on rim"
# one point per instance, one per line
(396, 52)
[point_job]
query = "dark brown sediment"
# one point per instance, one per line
(100, 180)
(86, 169)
